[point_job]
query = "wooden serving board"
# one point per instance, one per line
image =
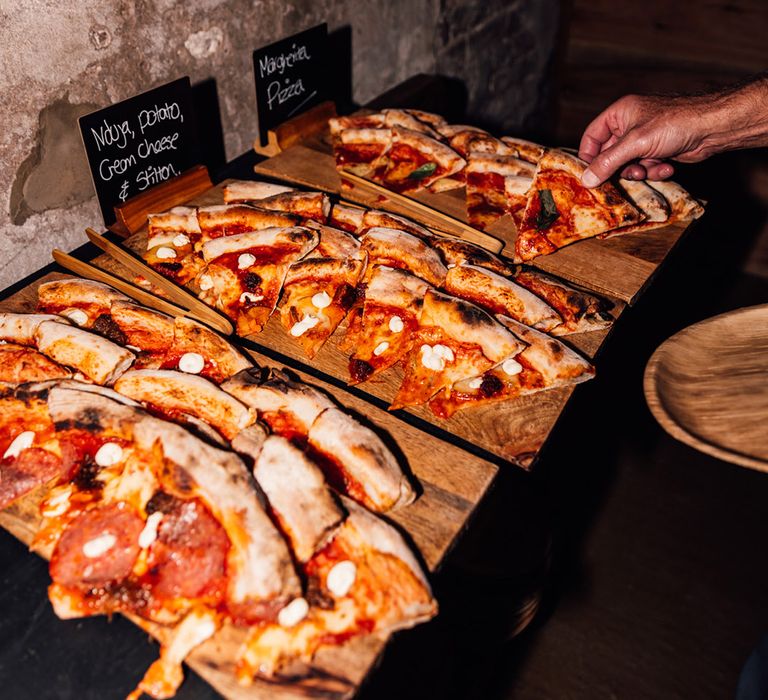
(619, 267)
(451, 484)
(510, 431)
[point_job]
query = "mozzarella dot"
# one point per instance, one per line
(432, 360)
(301, 327)
(108, 454)
(451, 265)
(57, 503)
(21, 442)
(245, 260)
(98, 546)
(180, 240)
(293, 613)
(206, 282)
(149, 533)
(166, 253)
(511, 367)
(341, 578)
(77, 316)
(396, 324)
(248, 298)
(191, 363)
(321, 300)
(475, 383)
(133, 348)
(381, 348)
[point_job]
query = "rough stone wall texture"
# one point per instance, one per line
(59, 60)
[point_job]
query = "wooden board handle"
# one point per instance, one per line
(179, 296)
(311, 122)
(132, 215)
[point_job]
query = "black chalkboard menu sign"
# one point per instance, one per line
(140, 142)
(290, 77)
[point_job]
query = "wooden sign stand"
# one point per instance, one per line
(311, 122)
(132, 214)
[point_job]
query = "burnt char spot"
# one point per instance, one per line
(471, 315)
(360, 370)
(348, 297)
(161, 502)
(168, 267)
(491, 385)
(555, 348)
(251, 281)
(578, 301)
(106, 326)
(317, 597)
(86, 478)
(87, 420)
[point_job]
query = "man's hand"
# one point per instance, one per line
(637, 134)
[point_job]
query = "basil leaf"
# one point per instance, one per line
(423, 171)
(548, 213)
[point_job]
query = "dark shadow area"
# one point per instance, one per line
(340, 69)
(205, 100)
(431, 93)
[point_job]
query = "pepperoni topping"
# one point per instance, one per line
(109, 534)
(32, 468)
(188, 559)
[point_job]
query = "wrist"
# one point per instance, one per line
(736, 118)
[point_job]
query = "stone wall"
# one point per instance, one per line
(61, 60)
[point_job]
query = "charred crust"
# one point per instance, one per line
(87, 477)
(161, 502)
(252, 281)
(471, 315)
(491, 385)
(555, 348)
(170, 268)
(348, 296)
(106, 326)
(88, 420)
(360, 370)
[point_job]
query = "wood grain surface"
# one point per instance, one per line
(451, 483)
(708, 386)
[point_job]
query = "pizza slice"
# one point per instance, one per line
(337, 125)
(500, 295)
(416, 160)
(310, 206)
(244, 273)
(545, 363)
(334, 243)
(365, 580)
(363, 151)
(649, 201)
(456, 340)
(22, 328)
(383, 332)
(159, 524)
(353, 458)
(430, 118)
(223, 220)
(454, 252)
(581, 311)
(346, 217)
(374, 218)
(683, 207)
(401, 250)
(172, 239)
(317, 295)
(21, 363)
(496, 185)
(407, 119)
(560, 210)
(527, 150)
(82, 301)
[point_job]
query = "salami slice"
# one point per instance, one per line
(99, 547)
(32, 468)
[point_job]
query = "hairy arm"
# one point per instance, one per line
(640, 134)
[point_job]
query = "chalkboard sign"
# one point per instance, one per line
(140, 142)
(290, 77)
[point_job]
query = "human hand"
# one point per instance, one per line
(637, 134)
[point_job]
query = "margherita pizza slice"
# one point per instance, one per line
(527, 150)
(172, 239)
(346, 217)
(223, 220)
(317, 295)
(384, 331)
(456, 340)
(365, 580)
(500, 295)
(245, 272)
(334, 243)
(496, 185)
(363, 151)
(401, 250)
(581, 311)
(545, 363)
(683, 207)
(408, 119)
(374, 218)
(310, 206)
(560, 210)
(651, 202)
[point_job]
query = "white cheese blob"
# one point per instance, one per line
(431, 360)
(21, 442)
(149, 533)
(165, 253)
(475, 383)
(58, 502)
(321, 300)
(98, 546)
(245, 260)
(205, 282)
(77, 316)
(341, 578)
(511, 367)
(108, 454)
(180, 240)
(301, 327)
(293, 613)
(133, 348)
(248, 298)
(381, 348)
(191, 363)
(444, 351)
(396, 324)
(451, 265)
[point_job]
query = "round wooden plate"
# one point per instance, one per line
(708, 386)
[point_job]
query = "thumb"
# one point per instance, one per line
(606, 163)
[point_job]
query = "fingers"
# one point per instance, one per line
(634, 172)
(594, 137)
(662, 171)
(632, 146)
